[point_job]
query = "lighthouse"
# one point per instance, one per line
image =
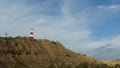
(31, 33)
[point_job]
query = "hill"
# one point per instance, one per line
(25, 52)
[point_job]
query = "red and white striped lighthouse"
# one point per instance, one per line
(31, 33)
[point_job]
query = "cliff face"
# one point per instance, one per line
(23, 52)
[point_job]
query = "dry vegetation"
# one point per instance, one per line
(24, 52)
(112, 62)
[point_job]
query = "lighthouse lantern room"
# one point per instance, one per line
(31, 33)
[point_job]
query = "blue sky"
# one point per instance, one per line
(77, 24)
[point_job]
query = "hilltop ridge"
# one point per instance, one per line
(25, 52)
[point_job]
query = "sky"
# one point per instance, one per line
(78, 24)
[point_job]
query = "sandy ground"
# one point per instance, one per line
(111, 62)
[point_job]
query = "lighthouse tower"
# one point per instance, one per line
(31, 33)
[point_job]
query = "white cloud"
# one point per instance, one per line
(103, 48)
(109, 7)
(113, 42)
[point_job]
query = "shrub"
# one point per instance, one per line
(83, 65)
(52, 66)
